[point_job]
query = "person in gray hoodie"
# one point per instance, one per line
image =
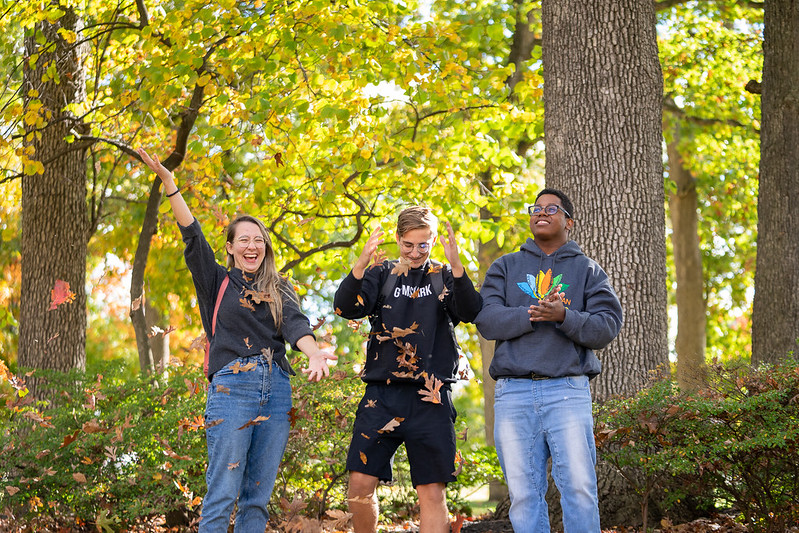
(548, 307)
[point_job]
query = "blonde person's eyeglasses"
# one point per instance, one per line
(423, 247)
(244, 242)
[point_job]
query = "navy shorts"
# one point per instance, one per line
(427, 429)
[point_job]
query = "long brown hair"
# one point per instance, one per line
(267, 278)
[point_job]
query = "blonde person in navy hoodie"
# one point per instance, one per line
(548, 307)
(249, 313)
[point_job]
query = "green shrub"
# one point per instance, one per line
(735, 442)
(109, 450)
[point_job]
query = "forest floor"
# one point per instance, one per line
(717, 524)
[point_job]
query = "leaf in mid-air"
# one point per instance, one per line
(401, 268)
(389, 427)
(60, 294)
(430, 392)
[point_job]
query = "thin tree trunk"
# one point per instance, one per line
(54, 220)
(775, 315)
(691, 307)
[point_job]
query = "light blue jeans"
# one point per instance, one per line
(533, 421)
(244, 454)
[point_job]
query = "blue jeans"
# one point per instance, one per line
(538, 419)
(244, 454)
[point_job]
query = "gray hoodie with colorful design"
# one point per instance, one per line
(518, 280)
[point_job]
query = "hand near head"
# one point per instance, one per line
(450, 245)
(375, 239)
(318, 363)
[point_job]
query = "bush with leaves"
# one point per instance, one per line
(735, 442)
(104, 448)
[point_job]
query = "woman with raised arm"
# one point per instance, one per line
(249, 313)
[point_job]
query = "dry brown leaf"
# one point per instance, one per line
(371, 403)
(401, 268)
(363, 457)
(257, 296)
(360, 499)
(393, 423)
(247, 342)
(246, 304)
(92, 426)
(80, 478)
(430, 392)
(432, 269)
(231, 466)
(443, 294)
(11, 490)
(213, 423)
(238, 367)
(360, 300)
(222, 389)
(367, 437)
(255, 421)
(269, 353)
(318, 324)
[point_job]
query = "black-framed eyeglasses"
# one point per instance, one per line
(549, 209)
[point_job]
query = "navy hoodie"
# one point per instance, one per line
(243, 327)
(518, 280)
(414, 306)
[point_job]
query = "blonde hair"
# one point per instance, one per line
(267, 278)
(416, 217)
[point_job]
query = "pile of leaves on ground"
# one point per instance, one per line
(734, 444)
(107, 452)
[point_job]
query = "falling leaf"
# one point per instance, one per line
(318, 324)
(363, 457)
(407, 355)
(360, 499)
(415, 294)
(255, 421)
(213, 423)
(136, 304)
(246, 304)
(258, 296)
(198, 343)
(404, 375)
(462, 434)
(432, 269)
(194, 387)
(443, 294)
(155, 330)
(360, 300)
(371, 403)
(221, 388)
(338, 311)
(92, 426)
(459, 460)
(231, 466)
(11, 490)
(61, 294)
(389, 427)
(80, 478)
(401, 268)
(269, 353)
(238, 367)
(431, 393)
(278, 159)
(42, 453)
(247, 342)
(367, 437)
(69, 439)
(397, 333)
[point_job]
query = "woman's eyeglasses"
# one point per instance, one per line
(423, 247)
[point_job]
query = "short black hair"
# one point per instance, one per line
(564, 200)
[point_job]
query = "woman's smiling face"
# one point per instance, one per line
(248, 247)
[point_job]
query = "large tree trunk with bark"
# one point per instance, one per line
(691, 308)
(775, 315)
(54, 218)
(602, 108)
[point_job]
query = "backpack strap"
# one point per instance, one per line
(213, 323)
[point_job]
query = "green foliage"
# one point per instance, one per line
(111, 450)
(735, 442)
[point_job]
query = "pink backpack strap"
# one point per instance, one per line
(213, 323)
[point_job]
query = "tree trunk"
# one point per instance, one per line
(54, 220)
(775, 314)
(691, 308)
(602, 107)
